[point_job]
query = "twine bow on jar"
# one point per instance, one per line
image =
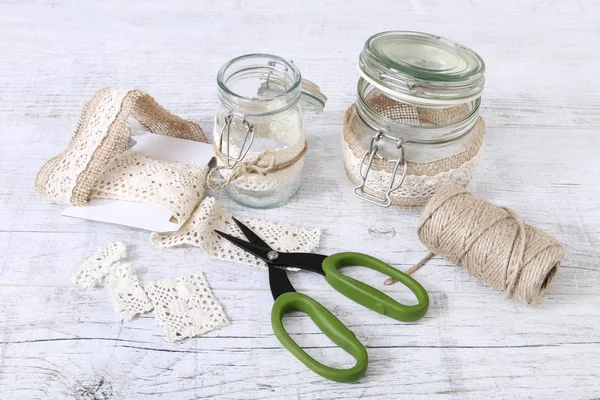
(215, 182)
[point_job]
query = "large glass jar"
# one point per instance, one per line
(417, 107)
(260, 124)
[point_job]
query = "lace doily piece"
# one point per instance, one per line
(186, 307)
(177, 186)
(126, 293)
(96, 268)
(199, 230)
(101, 135)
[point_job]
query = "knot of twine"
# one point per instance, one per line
(255, 166)
(491, 242)
(241, 168)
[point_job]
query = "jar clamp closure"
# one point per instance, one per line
(260, 125)
(418, 101)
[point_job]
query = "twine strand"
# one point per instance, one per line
(256, 166)
(412, 269)
(215, 182)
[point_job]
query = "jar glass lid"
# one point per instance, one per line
(421, 68)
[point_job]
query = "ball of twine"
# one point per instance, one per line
(491, 242)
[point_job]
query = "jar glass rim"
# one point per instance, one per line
(291, 69)
(427, 68)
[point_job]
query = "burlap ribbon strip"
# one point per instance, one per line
(97, 164)
(101, 135)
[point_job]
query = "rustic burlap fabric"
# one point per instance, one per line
(101, 135)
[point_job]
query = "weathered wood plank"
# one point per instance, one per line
(46, 258)
(57, 351)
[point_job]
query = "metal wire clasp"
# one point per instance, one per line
(232, 161)
(371, 153)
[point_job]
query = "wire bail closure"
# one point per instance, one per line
(232, 161)
(371, 153)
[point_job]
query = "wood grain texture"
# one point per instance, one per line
(542, 109)
(448, 353)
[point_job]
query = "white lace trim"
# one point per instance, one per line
(199, 230)
(186, 307)
(96, 268)
(420, 187)
(177, 186)
(128, 297)
(63, 181)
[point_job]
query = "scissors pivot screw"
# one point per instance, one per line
(272, 255)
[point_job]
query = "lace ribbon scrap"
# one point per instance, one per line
(176, 186)
(199, 230)
(95, 269)
(129, 299)
(186, 307)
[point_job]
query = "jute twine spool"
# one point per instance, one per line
(491, 242)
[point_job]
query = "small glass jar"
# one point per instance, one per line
(262, 99)
(417, 103)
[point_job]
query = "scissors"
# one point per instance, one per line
(288, 300)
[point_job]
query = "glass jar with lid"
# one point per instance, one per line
(259, 136)
(415, 123)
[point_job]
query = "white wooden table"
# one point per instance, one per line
(542, 109)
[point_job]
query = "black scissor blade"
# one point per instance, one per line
(278, 279)
(250, 235)
(252, 248)
(279, 282)
(259, 248)
(306, 261)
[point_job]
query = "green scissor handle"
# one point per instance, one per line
(367, 295)
(332, 327)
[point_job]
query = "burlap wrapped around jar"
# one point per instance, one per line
(422, 179)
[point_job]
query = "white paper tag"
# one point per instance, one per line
(174, 149)
(141, 215)
(150, 217)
